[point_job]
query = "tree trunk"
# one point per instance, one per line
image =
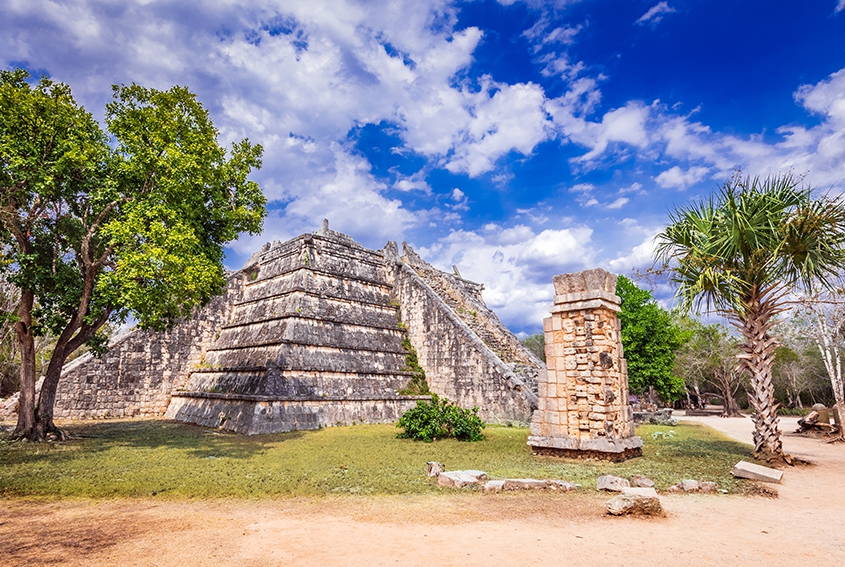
(26, 343)
(73, 337)
(47, 398)
(729, 406)
(756, 357)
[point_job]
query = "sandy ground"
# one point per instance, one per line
(804, 526)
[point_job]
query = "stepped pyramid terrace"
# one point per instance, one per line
(314, 332)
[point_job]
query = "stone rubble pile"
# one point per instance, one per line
(470, 478)
(660, 417)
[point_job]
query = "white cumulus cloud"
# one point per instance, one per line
(516, 265)
(676, 177)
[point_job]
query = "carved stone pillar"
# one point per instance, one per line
(583, 409)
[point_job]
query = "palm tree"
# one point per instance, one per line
(742, 252)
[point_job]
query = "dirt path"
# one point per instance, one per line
(804, 526)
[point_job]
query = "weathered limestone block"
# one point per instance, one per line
(744, 469)
(634, 504)
(524, 484)
(461, 479)
(612, 483)
(642, 481)
(585, 410)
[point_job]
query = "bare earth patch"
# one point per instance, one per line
(803, 526)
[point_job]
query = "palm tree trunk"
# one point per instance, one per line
(757, 354)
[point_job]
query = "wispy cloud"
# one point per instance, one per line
(839, 7)
(657, 12)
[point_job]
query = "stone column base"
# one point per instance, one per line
(614, 450)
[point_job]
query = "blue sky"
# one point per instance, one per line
(516, 139)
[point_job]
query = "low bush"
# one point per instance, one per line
(440, 419)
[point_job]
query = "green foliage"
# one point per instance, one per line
(142, 220)
(100, 226)
(650, 338)
(707, 361)
(751, 239)
(536, 343)
(440, 419)
(417, 385)
(169, 460)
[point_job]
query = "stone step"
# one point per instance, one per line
(310, 331)
(307, 302)
(318, 280)
(291, 355)
(297, 383)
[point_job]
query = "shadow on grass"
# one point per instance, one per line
(159, 457)
(94, 437)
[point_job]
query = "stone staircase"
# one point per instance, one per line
(315, 325)
(465, 299)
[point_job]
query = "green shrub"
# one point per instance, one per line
(440, 419)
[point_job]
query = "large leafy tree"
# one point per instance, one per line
(649, 338)
(97, 226)
(742, 252)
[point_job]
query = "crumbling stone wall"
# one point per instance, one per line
(582, 407)
(142, 368)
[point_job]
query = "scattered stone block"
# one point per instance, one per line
(635, 505)
(640, 491)
(434, 469)
(460, 479)
(707, 486)
(744, 469)
(564, 485)
(612, 483)
(689, 485)
(494, 485)
(524, 484)
(642, 481)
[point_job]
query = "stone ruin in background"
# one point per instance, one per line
(583, 409)
(312, 332)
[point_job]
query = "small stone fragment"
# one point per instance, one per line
(612, 483)
(460, 479)
(642, 481)
(494, 485)
(435, 469)
(634, 504)
(524, 484)
(689, 485)
(751, 471)
(707, 486)
(564, 485)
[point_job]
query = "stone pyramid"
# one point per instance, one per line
(313, 332)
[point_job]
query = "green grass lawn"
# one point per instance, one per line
(173, 460)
